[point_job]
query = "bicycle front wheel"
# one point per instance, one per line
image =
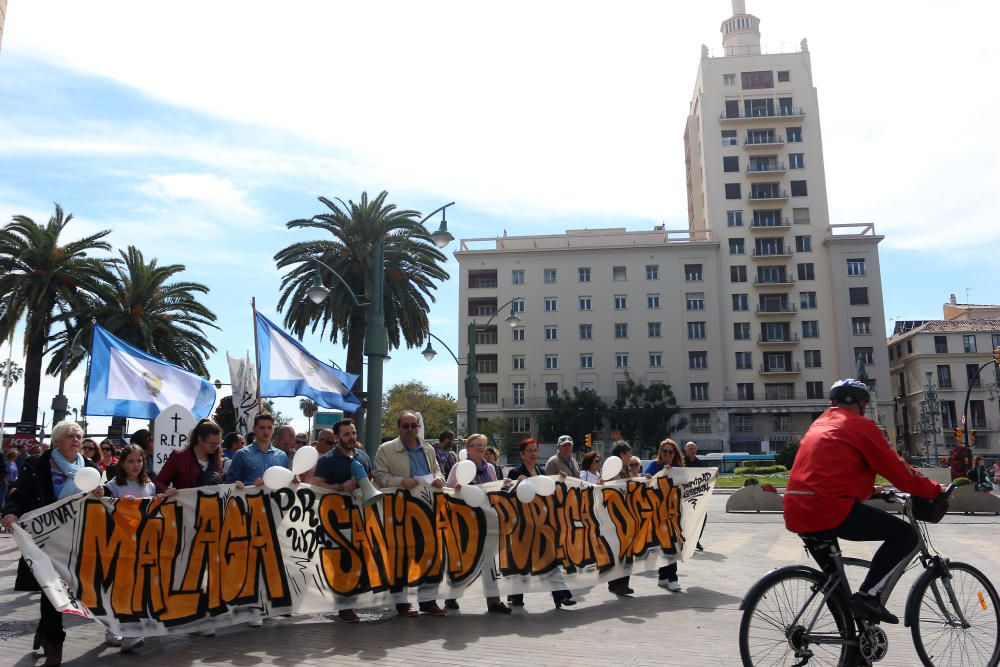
(777, 627)
(937, 605)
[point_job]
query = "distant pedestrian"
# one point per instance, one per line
(562, 462)
(590, 468)
(691, 459)
(444, 451)
(493, 458)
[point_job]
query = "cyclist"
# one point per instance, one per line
(834, 473)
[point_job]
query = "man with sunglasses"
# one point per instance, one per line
(405, 462)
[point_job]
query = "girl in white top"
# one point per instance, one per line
(132, 480)
(590, 468)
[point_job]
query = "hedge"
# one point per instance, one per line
(758, 463)
(760, 470)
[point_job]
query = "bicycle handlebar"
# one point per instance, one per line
(892, 495)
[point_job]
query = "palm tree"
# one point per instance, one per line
(412, 265)
(309, 410)
(141, 306)
(43, 277)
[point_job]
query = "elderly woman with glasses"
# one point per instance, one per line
(44, 480)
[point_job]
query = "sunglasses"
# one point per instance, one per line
(328, 441)
(408, 426)
(107, 449)
(89, 448)
(300, 442)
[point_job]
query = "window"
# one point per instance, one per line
(815, 390)
(783, 423)
(807, 271)
(738, 274)
(744, 392)
(995, 341)
(800, 216)
(517, 305)
(586, 361)
(796, 161)
(652, 272)
(977, 414)
(783, 76)
(692, 272)
(972, 375)
(948, 415)
(744, 360)
(583, 275)
(517, 362)
(656, 360)
(517, 393)
(652, 301)
(701, 423)
(520, 424)
(551, 332)
(730, 163)
(618, 273)
(733, 191)
(858, 296)
(856, 267)
(810, 328)
(550, 304)
(969, 343)
(944, 377)
(695, 300)
(586, 331)
(728, 79)
(653, 329)
(584, 303)
(621, 302)
(755, 80)
(861, 326)
(550, 275)
(865, 355)
(737, 247)
(517, 277)
(729, 138)
(803, 243)
(941, 344)
(696, 330)
(699, 391)
(621, 360)
(794, 134)
(771, 274)
(734, 218)
(488, 394)
(551, 362)
(698, 360)
(813, 359)
(517, 333)
(799, 188)
(807, 300)
(741, 331)
(621, 330)
(551, 389)
(740, 302)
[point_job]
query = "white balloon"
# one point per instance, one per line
(612, 466)
(544, 486)
(526, 491)
(305, 460)
(473, 496)
(87, 479)
(463, 455)
(465, 472)
(277, 477)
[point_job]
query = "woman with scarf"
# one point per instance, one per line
(44, 480)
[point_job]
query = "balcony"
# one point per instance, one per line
(791, 339)
(773, 167)
(781, 281)
(770, 142)
(767, 197)
(767, 253)
(776, 309)
(792, 369)
(785, 396)
(781, 225)
(739, 115)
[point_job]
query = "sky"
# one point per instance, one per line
(196, 130)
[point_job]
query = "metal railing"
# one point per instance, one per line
(791, 368)
(769, 167)
(779, 308)
(779, 224)
(790, 338)
(766, 195)
(770, 140)
(787, 280)
(780, 251)
(780, 112)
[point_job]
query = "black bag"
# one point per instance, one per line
(929, 511)
(208, 477)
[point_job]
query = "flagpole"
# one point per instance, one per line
(256, 352)
(6, 385)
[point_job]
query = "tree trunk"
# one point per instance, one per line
(32, 374)
(355, 362)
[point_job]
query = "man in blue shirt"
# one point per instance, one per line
(249, 463)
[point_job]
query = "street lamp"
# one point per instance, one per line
(60, 403)
(376, 337)
(471, 377)
(931, 406)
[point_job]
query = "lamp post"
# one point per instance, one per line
(376, 336)
(471, 374)
(60, 404)
(932, 408)
(993, 388)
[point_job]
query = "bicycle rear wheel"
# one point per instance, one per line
(937, 634)
(776, 613)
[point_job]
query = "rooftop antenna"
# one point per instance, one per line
(968, 290)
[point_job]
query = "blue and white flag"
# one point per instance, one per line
(127, 382)
(287, 369)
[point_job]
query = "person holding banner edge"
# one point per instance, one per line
(44, 480)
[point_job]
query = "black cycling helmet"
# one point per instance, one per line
(849, 391)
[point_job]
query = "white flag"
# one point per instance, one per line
(243, 376)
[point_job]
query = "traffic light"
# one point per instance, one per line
(959, 435)
(996, 355)
(588, 441)
(972, 438)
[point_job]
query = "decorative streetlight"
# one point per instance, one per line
(376, 336)
(992, 388)
(60, 404)
(471, 374)
(931, 408)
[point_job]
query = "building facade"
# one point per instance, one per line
(749, 314)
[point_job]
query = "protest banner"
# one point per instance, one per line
(216, 556)
(171, 431)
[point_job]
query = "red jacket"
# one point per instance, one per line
(181, 470)
(835, 468)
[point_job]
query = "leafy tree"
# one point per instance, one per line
(645, 415)
(43, 276)
(10, 372)
(350, 232)
(440, 411)
(500, 435)
(574, 414)
(786, 455)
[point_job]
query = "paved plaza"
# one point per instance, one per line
(697, 627)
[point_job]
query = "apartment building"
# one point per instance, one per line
(749, 314)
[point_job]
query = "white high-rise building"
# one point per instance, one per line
(749, 314)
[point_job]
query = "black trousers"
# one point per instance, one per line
(50, 626)
(869, 524)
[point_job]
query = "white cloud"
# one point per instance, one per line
(202, 189)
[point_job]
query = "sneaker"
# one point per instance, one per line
(206, 633)
(112, 639)
(673, 586)
(256, 624)
(699, 547)
(869, 608)
(621, 590)
(130, 643)
(348, 616)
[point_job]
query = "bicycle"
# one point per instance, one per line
(798, 615)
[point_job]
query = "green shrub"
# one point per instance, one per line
(786, 455)
(760, 470)
(758, 463)
(961, 481)
(750, 481)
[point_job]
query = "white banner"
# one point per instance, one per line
(243, 376)
(171, 431)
